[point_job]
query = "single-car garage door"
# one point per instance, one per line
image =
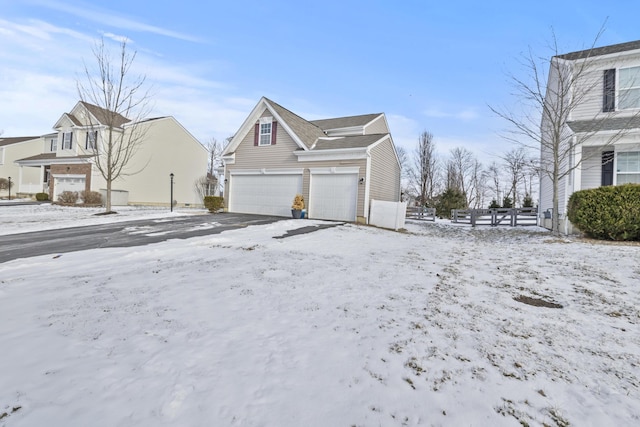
(67, 183)
(333, 196)
(264, 194)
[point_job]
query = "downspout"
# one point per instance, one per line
(367, 184)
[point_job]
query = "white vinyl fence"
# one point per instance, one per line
(387, 214)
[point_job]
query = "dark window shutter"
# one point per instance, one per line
(609, 91)
(86, 143)
(256, 135)
(274, 131)
(607, 168)
(71, 140)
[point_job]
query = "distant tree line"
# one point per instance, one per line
(459, 180)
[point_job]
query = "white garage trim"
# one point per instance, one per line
(75, 176)
(266, 172)
(338, 170)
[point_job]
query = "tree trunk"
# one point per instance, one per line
(555, 218)
(108, 202)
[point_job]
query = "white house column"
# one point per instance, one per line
(577, 176)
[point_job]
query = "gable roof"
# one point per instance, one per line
(101, 115)
(15, 139)
(105, 116)
(309, 135)
(306, 131)
(599, 51)
(345, 122)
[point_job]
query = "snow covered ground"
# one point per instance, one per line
(27, 218)
(346, 326)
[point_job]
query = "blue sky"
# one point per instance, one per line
(428, 65)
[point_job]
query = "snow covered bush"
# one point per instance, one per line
(68, 197)
(609, 213)
(91, 197)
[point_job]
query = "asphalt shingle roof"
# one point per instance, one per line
(598, 51)
(305, 130)
(105, 116)
(345, 122)
(359, 141)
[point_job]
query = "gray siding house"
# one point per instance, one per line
(603, 129)
(339, 165)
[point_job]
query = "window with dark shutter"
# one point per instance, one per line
(609, 91)
(256, 134)
(274, 130)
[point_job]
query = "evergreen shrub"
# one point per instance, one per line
(607, 213)
(213, 203)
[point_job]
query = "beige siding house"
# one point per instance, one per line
(602, 130)
(339, 165)
(65, 161)
(22, 181)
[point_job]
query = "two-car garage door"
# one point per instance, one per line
(264, 194)
(332, 195)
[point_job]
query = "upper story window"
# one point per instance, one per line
(92, 138)
(53, 144)
(265, 133)
(67, 140)
(629, 88)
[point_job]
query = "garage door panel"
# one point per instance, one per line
(61, 184)
(264, 194)
(333, 196)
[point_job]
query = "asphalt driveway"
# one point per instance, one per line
(123, 234)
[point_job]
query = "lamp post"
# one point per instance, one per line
(171, 201)
(9, 188)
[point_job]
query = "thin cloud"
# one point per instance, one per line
(92, 14)
(468, 114)
(116, 37)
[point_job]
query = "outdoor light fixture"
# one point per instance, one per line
(361, 181)
(171, 201)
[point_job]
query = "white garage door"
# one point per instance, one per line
(333, 196)
(68, 183)
(264, 194)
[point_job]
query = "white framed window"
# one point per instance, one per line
(629, 88)
(265, 133)
(53, 144)
(67, 140)
(92, 138)
(628, 167)
(1, 155)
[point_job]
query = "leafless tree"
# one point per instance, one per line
(124, 104)
(424, 171)
(515, 163)
(464, 174)
(494, 173)
(549, 93)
